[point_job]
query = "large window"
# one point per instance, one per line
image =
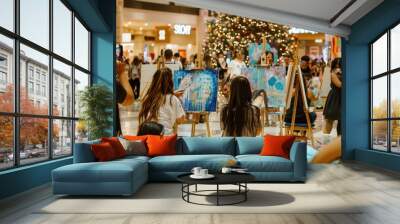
(385, 92)
(44, 64)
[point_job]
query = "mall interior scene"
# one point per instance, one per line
(199, 111)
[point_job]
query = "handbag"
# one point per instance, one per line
(150, 128)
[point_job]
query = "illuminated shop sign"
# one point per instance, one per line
(182, 29)
(161, 34)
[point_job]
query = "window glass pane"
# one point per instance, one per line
(379, 56)
(395, 138)
(81, 81)
(81, 131)
(395, 47)
(33, 139)
(7, 14)
(62, 89)
(379, 97)
(62, 29)
(35, 21)
(379, 135)
(6, 74)
(6, 142)
(395, 94)
(34, 96)
(62, 138)
(81, 45)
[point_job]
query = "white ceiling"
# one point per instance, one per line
(313, 8)
(308, 14)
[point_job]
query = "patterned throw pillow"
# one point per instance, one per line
(136, 147)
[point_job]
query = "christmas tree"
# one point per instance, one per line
(227, 33)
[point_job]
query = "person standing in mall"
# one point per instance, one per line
(236, 65)
(134, 77)
(177, 60)
(332, 109)
(168, 56)
(222, 66)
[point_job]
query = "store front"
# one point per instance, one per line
(147, 32)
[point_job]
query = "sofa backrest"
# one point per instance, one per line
(83, 152)
(249, 145)
(206, 145)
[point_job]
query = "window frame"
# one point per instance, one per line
(388, 74)
(15, 68)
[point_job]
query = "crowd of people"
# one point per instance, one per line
(240, 116)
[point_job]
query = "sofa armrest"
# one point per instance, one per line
(298, 155)
(83, 152)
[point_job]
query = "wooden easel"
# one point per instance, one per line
(193, 118)
(301, 132)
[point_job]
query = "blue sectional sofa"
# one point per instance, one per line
(125, 176)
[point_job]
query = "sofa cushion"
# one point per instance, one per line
(277, 146)
(116, 145)
(185, 163)
(257, 163)
(112, 171)
(136, 147)
(103, 152)
(207, 145)
(249, 145)
(161, 145)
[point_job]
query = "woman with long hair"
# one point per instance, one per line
(160, 104)
(239, 117)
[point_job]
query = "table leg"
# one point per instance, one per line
(217, 194)
(196, 187)
(245, 193)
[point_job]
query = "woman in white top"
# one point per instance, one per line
(160, 104)
(236, 65)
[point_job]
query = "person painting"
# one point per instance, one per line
(300, 117)
(160, 104)
(239, 117)
(333, 101)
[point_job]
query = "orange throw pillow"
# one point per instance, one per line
(161, 145)
(103, 152)
(116, 145)
(136, 138)
(277, 146)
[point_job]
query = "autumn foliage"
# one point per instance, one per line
(33, 131)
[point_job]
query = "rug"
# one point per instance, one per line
(166, 198)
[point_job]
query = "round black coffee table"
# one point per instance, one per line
(238, 179)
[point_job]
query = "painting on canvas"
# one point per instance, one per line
(200, 89)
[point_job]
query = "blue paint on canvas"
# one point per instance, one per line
(200, 89)
(255, 51)
(272, 80)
